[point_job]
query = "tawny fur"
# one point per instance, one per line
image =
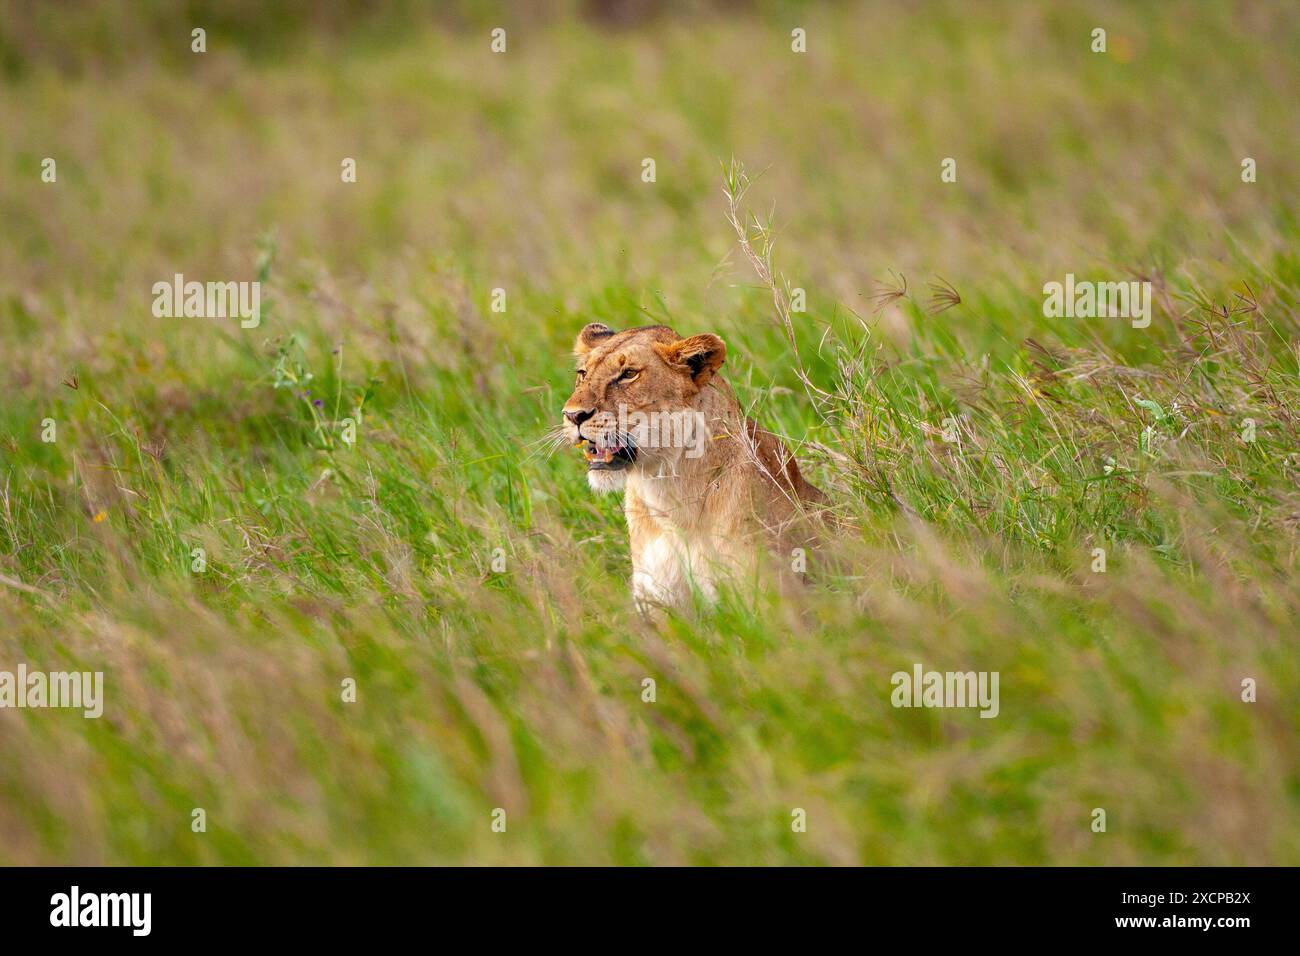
(691, 520)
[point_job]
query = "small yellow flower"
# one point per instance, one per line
(100, 516)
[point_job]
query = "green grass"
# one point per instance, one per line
(523, 689)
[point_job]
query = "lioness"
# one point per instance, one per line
(704, 487)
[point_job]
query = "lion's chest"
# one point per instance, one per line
(672, 548)
(666, 567)
(657, 573)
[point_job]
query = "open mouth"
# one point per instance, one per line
(607, 458)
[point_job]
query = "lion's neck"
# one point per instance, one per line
(672, 493)
(682, 491)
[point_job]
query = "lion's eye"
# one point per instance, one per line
(629, 375)
(582, 373)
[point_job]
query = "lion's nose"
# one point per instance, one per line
(578, 416)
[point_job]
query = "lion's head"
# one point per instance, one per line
(636, 401)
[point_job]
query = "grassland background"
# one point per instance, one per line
(522, 690)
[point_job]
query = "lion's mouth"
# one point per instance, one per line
(608, 458)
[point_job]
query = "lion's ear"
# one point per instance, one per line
(700, 355)
(591, 336)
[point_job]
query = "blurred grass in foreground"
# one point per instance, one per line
(522, 690)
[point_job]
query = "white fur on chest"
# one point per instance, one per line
(665, 569)
(677, 555)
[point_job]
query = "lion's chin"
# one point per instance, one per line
(606, 480)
